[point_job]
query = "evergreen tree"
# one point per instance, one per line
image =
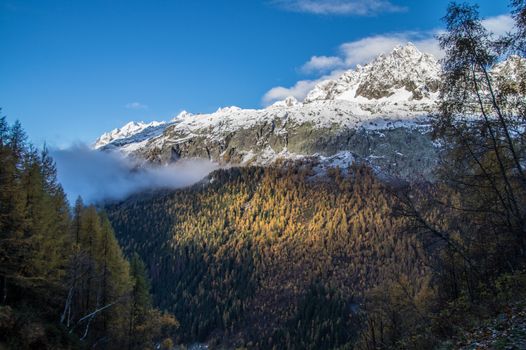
(140, 304)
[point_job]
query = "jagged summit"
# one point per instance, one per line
(128, 130)
(184, 114)
(403, 75)
(288, 102)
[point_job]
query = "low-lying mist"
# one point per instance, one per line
(99, 176)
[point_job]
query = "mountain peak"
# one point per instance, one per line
(127, 130)
(404, 53)
(182, 115)
(290, 101)
(409, 47)
(403, 75)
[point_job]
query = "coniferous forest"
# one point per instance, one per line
(64, 279)
(283, 256)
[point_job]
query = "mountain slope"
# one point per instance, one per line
(235, 259)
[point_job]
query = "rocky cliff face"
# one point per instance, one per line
(377, 113)
(396, 148)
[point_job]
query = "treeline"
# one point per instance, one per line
(64, 281)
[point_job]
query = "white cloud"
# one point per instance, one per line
(298, 90)
(364, 50)
(340, 7)
(321, 64)
(136, 105)
(499, 25)
(99, 176)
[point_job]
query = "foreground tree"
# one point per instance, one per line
(473, 219)
(483, 122)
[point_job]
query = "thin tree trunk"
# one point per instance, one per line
(508, 187)
(504, 124)
(4, 296)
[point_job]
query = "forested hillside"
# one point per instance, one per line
(247, 254)
(64, 281)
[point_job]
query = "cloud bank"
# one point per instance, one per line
(99, 176)
(364, 50)
(499, 25)
(321, 63)
(339, 7)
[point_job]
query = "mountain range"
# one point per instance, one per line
(379, 113)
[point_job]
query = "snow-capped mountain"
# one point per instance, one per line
(377, 113)
(404, 76)
(128, 130)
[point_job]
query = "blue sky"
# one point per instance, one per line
(73, 69)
